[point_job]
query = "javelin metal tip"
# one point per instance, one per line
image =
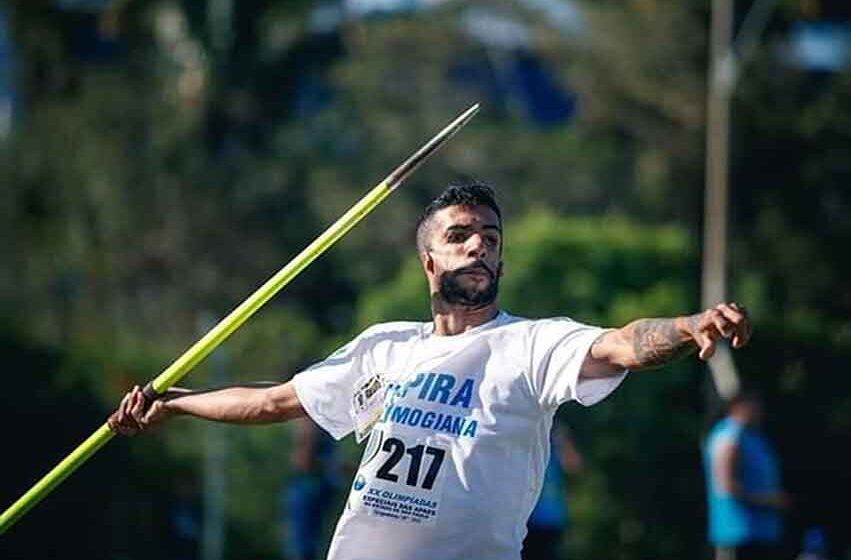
(474, 108)
(401, 173)
(464, 117)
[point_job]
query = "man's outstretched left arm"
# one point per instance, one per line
(649, 343)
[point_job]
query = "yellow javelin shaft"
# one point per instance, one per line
(198, 351)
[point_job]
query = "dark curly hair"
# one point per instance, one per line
(469, 194)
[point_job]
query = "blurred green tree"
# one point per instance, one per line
(169, 178)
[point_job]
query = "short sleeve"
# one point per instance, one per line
(558, 348)
(325, 389)
(729, 434)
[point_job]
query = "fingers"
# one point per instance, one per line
(126, 420)
(148, 416)
(737, 318)
(158, 412)
(722, 324)
(119, 427)
(121, 413)
(706, 343)
(726, 320)
(137, 409)
(117, 424)
(743, 325)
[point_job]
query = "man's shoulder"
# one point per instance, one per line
(401, 330)
(537, 324)
(538, 333)
(374, 335)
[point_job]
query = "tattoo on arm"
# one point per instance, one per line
(657, 342)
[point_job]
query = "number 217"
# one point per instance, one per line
(396, 448)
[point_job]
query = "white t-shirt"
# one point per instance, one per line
(455, 463)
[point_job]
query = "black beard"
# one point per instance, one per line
(453, 292)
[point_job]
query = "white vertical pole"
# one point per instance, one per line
(720, 85)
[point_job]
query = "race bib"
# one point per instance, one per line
(367, 404)
(400, 480)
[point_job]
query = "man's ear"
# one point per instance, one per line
(427, 261)
(499, 270)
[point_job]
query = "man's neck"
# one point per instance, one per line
(452, 320)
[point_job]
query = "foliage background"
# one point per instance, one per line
(162, 165)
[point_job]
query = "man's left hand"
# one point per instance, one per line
(725, 320)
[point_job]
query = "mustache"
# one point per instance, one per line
(476, 267)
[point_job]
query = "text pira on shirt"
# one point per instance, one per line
(443, 388)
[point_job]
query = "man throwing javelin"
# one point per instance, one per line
(458, 411)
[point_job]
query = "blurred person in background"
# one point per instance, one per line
(813, 545)
(746, 499)
(309, 491)
(183, 531)
(550, 518)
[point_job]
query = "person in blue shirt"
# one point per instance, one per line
(549, 519)
(744, 491)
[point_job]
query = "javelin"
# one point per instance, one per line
(198, 351)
